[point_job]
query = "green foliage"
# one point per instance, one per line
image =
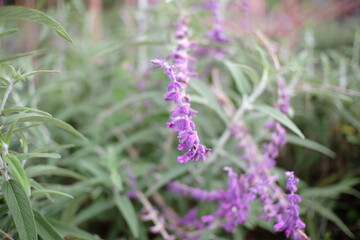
(59, 184)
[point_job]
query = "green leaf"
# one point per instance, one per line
(16, 12)
(5, 81)
(18, 170)
(310, 145)
(38, 186)
(8, 32)
(166, 177)
(130, 100)
(20, 209)
(91, 211)
(48, 191)
(53, 148)
(45, 229)
(23, 156)
(330, 191)
(113, 167)
(253, 76)
(327, 213)
(24, 109)
(128, 212)
(330, 94)
(15, 56)
(69, 230)
(22, 128)
(33, 117)
(40, 170)
(241, 82)
(207, 98)
(116, 180)
(276, 114)
(25, 75)
(348, 115)
(10, 133)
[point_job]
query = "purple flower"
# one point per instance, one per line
(278, 137)
(289, 221)
(196, 193)
(234, 206)
(284, 98)
(190, 219)
(216, 35)
(179, 74)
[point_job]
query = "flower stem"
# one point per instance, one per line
(6, 95)
(3, 166)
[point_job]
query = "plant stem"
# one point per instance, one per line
(6, 95)
(3, 166)
(246, 105)
(5, 235)
(153, 215)
(3, 169)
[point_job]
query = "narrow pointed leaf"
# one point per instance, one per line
(19, 172)
(128, 212)
(276, 114)
(207, 98)
(25, 75)
(33, 117)
(23, 156)
(41, 170)
(16, 12)
(25, 109)
(91, 211)
(20, 209)
(327, 213)
(15, 56)
(310, 145)
(48, 191)
(45, 229)
(8, 32)
(69, 230)
(240, 80)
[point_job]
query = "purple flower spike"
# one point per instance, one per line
(216, 35)
(284, 98)
(179, 74)
(290, 221)
(278, 137)
(234, 206)
(196, 193)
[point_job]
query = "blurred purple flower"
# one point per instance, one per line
(216, 35)
(196, 193)
(283, 103)
(234, 206)
(190, 219)
(290, 221)
(278, 137)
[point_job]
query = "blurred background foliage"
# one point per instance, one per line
(108, 91)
